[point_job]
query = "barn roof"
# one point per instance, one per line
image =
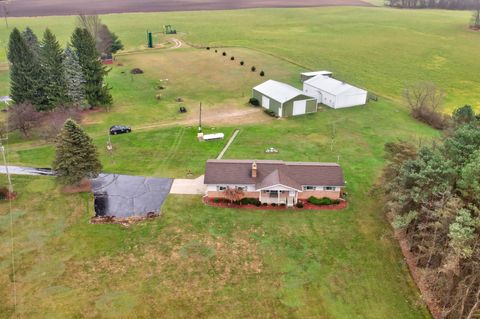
(315, 73)
(333, 86)
(278, 91)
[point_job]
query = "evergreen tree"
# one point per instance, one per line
(74, 77)
(95, 91)
(117, 45)
(53, 74)
(76, 157)
(24, 71)
(31, 39)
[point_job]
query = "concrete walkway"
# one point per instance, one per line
(188, 186)
(230, 141)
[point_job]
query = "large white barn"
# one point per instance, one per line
(334, 93)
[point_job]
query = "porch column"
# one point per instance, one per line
(278, 197)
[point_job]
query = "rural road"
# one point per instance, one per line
(31, 8)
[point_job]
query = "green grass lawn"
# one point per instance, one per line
(200, 262)
(380, 49)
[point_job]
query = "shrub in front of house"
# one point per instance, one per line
(323, 201)
(262, 73)
(254, 101)
(216, 200)
(319, 201)
(283, 205)
(299, 205)
(258, 203)
(274, 204)
(265, 204)
(248, 201)
(253, 69)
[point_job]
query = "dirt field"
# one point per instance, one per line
(27, 8)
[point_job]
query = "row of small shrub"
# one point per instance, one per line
(270, 112)
(253, 68)
(322, 201)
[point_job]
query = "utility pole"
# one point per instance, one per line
(5, 12)
(200, 119)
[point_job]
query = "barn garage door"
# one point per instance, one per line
(265, 102)
(299, 107)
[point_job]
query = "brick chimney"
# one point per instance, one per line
(254, 170)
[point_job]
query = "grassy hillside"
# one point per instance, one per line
(379, 49)
(198, 261)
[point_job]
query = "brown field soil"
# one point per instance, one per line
(29, 8)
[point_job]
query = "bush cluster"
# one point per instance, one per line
(270, 112)
(254, 101)
(322, 201)
(250, 201)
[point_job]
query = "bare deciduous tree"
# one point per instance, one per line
(23, 117)
(476, 16)
(52, 122)
(424, 100)
(233, 194)
(90, 22)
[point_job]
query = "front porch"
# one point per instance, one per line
(277, 196)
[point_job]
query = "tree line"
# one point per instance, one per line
(433, 194)
(47, 76)
(434, 4)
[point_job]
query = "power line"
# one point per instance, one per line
(12, 241)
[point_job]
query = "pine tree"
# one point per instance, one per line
(31, 39)
(76, 157)
(74, 77)
(53, 74)
(117, 45)
(95, 91)
(24, 71)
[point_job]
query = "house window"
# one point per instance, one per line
(241, 188)
(309, 188)
(329, 188)
(221, 188)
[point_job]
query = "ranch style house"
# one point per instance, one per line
(273, 181)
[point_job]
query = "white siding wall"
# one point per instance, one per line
(213, 187)
(321, 96)
(351, 100)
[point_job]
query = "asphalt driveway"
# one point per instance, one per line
(124, 196)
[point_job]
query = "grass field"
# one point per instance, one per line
(198, 261)
(377, 48)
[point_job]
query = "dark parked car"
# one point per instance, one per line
(119, 129)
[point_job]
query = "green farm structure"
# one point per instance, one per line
(167, 29)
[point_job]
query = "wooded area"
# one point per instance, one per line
(433, 192)
(435, 4)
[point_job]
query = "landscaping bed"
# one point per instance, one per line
(217, 202)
